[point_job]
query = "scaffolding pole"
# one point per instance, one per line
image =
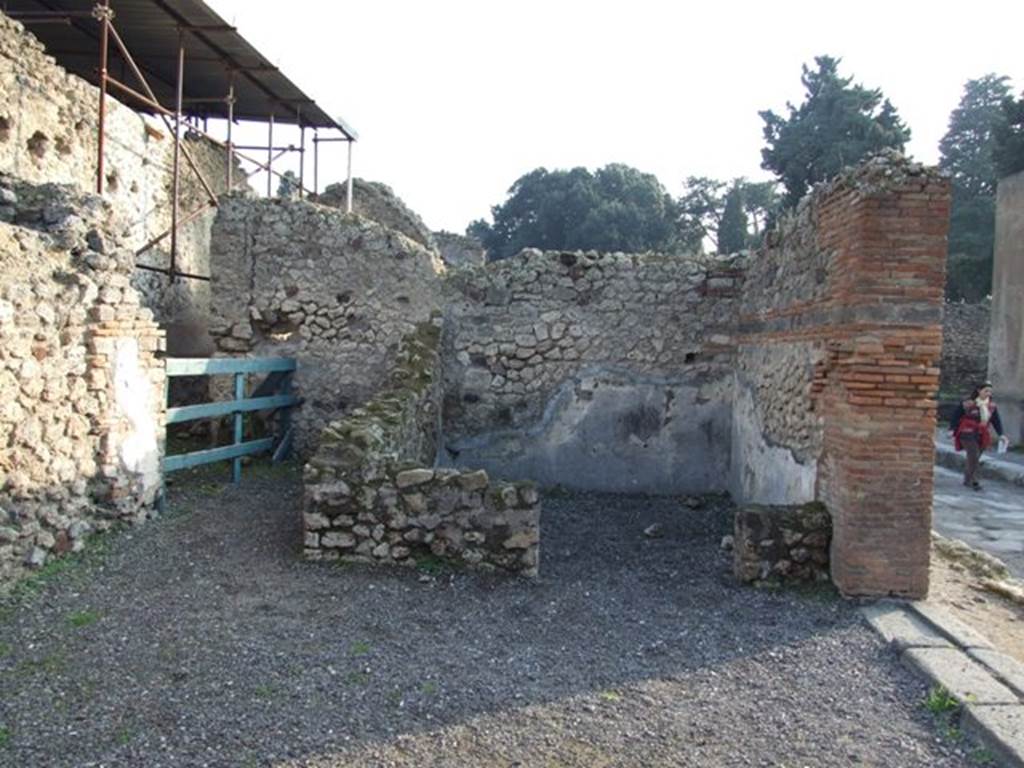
(103, 13)
(270, 153)
(176, 182)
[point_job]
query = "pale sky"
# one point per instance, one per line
(455, 99)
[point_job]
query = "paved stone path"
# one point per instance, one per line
(991, 519)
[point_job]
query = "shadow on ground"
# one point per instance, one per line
(201, 639)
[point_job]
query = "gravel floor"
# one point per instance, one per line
(200, 640)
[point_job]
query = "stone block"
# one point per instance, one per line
(963, 677)
(413, 477)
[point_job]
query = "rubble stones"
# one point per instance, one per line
(781, 543)
(395, 509)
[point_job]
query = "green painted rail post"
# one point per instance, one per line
(236, 470)
(270, 396)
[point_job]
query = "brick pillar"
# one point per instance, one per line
(888, 274)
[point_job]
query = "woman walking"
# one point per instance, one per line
(972, 424)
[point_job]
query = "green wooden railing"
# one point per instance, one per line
(273, 393)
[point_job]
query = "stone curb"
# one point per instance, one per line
(991, 467)
(947, 652)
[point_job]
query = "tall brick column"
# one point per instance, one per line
(877, 399)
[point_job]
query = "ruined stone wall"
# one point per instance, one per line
(81, 388)
(842, 316)
(336, 291)
(48, 134)
(602, 371)
(460, 251)
(372, 494)
(378, 202)
(965, 331)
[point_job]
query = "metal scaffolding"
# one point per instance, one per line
(262, 101)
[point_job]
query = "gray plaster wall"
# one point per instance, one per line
(1006, 343)
(611, 429)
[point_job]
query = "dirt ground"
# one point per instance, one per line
(201, 639)
(957, 584)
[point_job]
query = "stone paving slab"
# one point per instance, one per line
(1007, 669)
(902, 628)
(966, 679)
(1000, 728)
(988, 684)
(1006, 467)
(948, 625)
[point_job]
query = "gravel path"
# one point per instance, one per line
(200, 640)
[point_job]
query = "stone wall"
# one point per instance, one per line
(48, 134)
(81, 388)
(965, 332)
(378, 202)
(781, 544)
(336, 291)
(460, 251)
(598, 371)
(372, 494)
(1006, 348)
(839, 343)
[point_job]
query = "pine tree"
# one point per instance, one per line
(967, 155)
(732, 232)
(838, 124)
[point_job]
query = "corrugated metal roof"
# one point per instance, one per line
(150, 30)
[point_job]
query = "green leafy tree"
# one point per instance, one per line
(967, 154)
(732, 231)
(1008, 152)
(616, 208)
(838, 124)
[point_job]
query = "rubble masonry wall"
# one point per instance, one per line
(81, 387)
(336, 291)
(599, 371)
(48, 134)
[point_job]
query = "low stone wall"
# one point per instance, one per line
(335, 291)
(372, 494)
(965, 332)
(787, 544)
(81, 386)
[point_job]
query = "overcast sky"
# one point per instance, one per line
(454, 100)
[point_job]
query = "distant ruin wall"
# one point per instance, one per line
(458, 251)
(334, 290)
(600, 371)
(965, 332)
(378, 202)
(81, 388)
(48, 133)
(839, 341)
